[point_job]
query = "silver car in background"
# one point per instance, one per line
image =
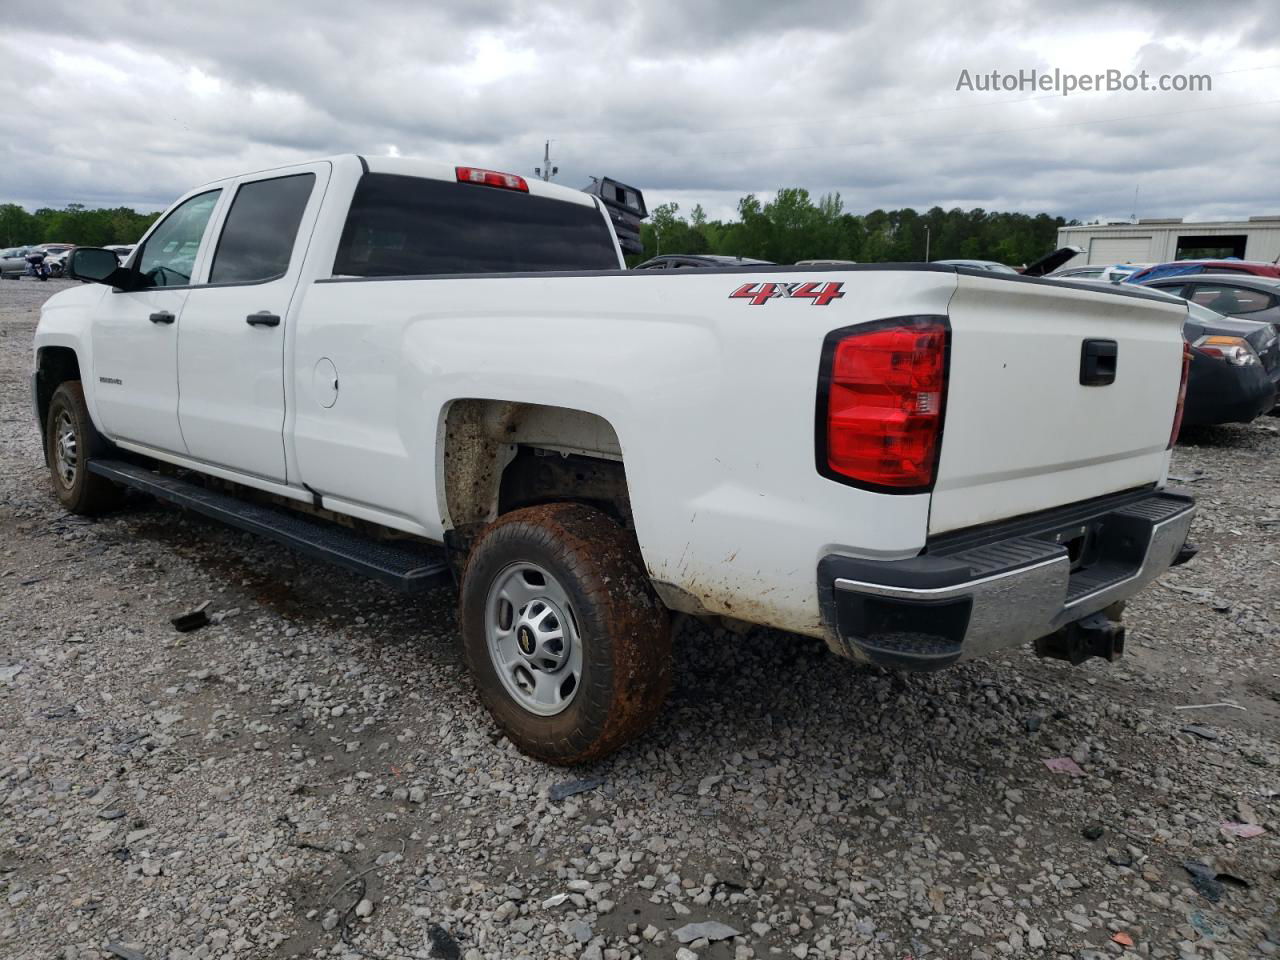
(13, 261)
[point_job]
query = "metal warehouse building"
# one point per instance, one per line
(1158, 241)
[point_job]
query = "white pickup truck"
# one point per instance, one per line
(424, 372)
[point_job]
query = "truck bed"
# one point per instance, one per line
(712, 398)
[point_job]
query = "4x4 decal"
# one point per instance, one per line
(820, 294)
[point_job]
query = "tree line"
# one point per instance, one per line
(790, 227)
(72, 224)
(793, 226)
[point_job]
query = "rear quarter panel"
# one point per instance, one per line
(712, 400)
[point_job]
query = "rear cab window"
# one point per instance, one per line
(416, 226)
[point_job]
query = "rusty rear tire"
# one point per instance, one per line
(569, 647)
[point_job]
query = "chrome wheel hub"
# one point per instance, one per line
(533, 638)
(66, 451)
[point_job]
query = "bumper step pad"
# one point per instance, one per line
(408, 567)
(1133, 520)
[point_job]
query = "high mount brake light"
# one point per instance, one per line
(1182, 396)
(881, 397)
(491, 178)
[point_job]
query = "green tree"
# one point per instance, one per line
(74, 223)
(15, 225)
(793, 226)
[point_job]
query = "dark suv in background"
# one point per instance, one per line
(1235, 361)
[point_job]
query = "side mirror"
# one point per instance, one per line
(93, 264)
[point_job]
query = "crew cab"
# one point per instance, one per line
(423, 371)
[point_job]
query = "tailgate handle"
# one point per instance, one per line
(1098, 362)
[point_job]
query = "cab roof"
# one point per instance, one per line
(430, 169)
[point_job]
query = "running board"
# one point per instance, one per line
(404, 566)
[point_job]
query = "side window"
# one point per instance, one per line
(169, 255)
(1229, 300)
(257, 239)
(1177, 289)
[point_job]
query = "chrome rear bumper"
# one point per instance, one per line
(979, 592)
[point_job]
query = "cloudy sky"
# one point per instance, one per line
(691, 100)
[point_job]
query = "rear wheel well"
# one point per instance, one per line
(537, 475)
(500, 456)
(54, 367)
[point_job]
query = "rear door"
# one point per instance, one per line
(232, 337)
(1023, 430)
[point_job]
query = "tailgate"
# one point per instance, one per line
(1021, 432)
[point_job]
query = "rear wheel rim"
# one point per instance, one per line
(531, 634)
(66, 449)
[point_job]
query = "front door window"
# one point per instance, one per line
(169, 256)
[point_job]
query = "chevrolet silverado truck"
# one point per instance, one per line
(430, 373)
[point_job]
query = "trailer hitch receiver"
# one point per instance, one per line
(1094, 636)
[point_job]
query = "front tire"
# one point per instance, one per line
(569, 647)
(71, 440)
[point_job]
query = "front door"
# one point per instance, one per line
(232, 342)
(135, 332)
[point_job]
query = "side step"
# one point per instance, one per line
(407, 567)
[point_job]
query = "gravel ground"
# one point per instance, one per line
(312, 775)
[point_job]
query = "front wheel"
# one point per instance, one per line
(70, 441)
(569, 647)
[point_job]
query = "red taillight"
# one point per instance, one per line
(1182, 395)
(885, 395)
(491, 178)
